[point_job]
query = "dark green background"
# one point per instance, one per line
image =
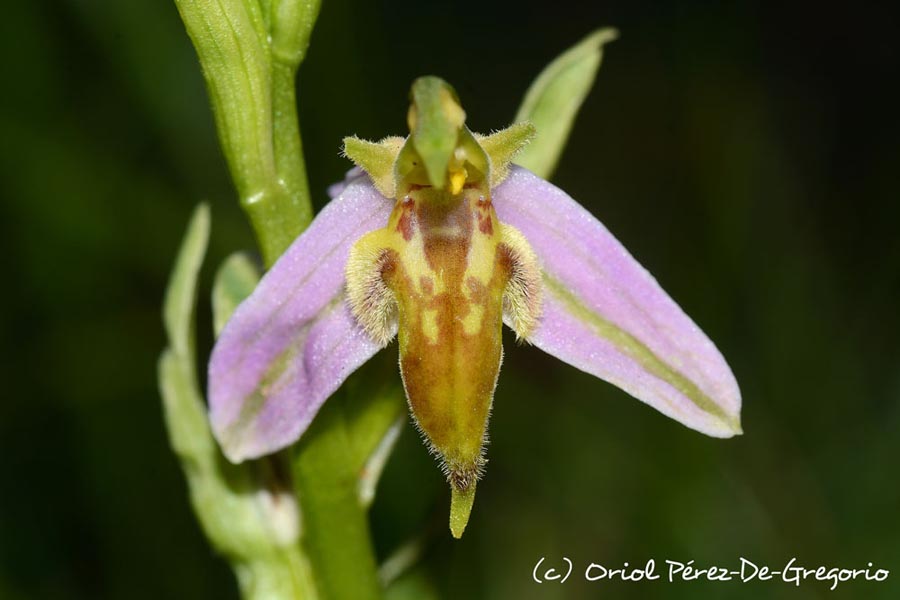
(748, 156)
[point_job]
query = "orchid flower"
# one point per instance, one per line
(438, 239)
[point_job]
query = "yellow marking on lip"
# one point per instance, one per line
(439, 285)
(430, 325)
(472, 321)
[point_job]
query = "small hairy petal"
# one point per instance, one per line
(293, 341)
(502, 146)
(376, 159)
(523, 297)
(371, 301)
(606, 315)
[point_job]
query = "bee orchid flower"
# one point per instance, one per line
(438, 239)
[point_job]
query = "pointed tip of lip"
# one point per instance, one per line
(461, 502)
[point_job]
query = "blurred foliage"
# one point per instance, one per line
(748, 158)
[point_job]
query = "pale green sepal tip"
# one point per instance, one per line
(435, 119)
(503, 146)
(376, 159)
(460, 508)
(553, 100)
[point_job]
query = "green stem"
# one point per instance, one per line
(281, 211)
(273, 233)
(286, 214)
(335, 525)
(289, 162)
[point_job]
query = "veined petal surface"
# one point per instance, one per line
(606, 315)
(292, 343)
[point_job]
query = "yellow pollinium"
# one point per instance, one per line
(457, 180)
